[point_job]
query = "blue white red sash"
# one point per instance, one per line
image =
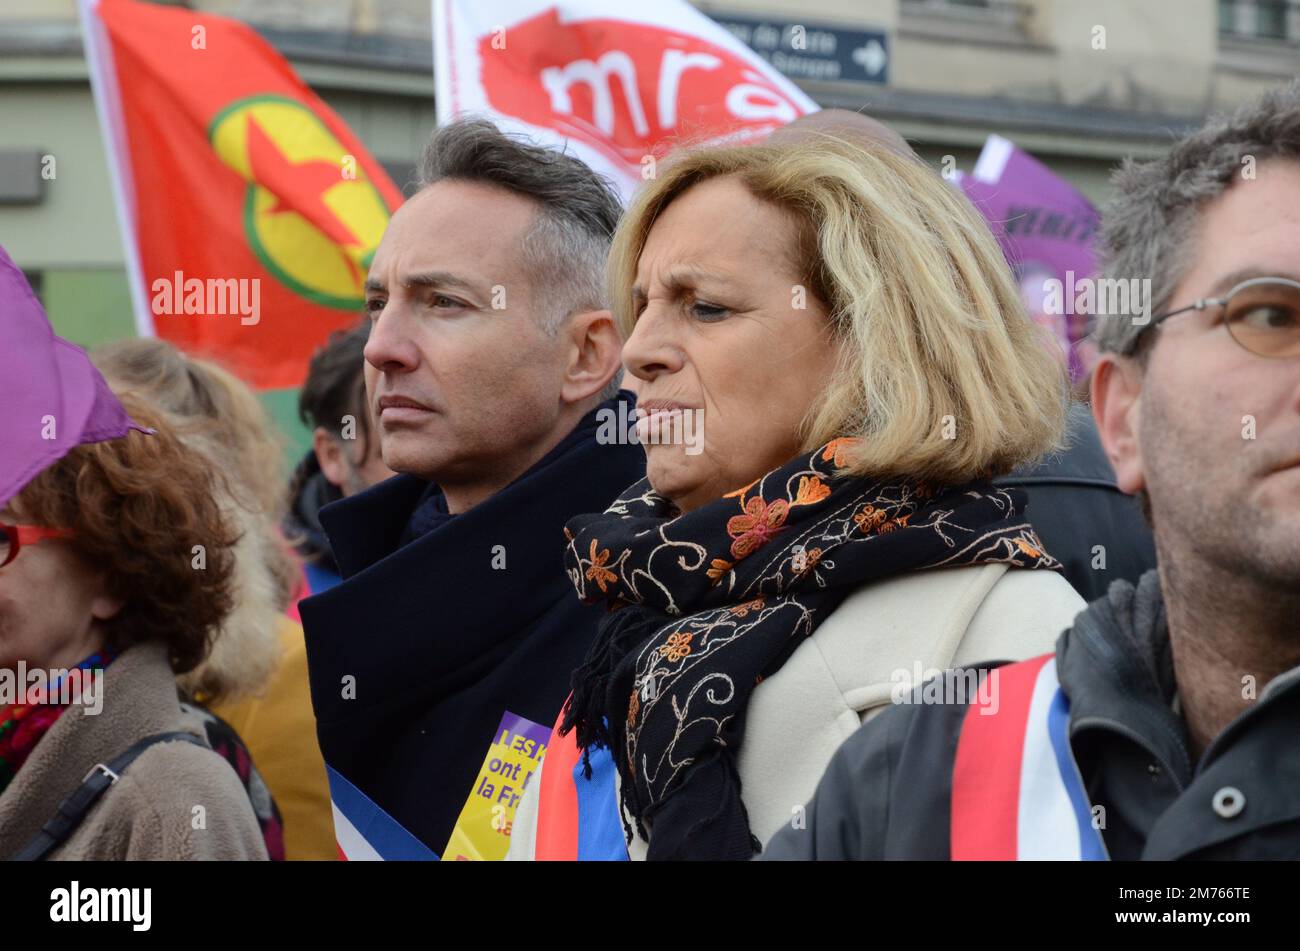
(1016, 790)
(365, 833)
(577, 818)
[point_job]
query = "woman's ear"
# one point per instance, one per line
(105, 608)
(594, 348)
(1116, 401)
(103, 605)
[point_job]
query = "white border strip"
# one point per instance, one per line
(993, 160)
(108, 106)
(1046, 825)
(352, 842)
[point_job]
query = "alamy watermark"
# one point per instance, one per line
(1099, 297)
(967, 685)
(212, 297)
(653, 426)
(57, 685)
(78, 904)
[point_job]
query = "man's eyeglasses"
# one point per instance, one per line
(1262, 315)
(14, 537)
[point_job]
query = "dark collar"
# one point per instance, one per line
(455, 594)
(1116, 666)
(371, 525)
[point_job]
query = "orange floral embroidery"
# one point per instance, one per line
(718, 569)
(811, 491)
(838, 450)
(598, 572)
(740, 610)
(633, 708)
(1028, 549)
(678, 646)
(741, 491)
(869, 518)
(891, 524)
(757, 526)
(804, 561)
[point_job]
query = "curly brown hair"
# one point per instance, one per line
(143, 511)
(214, 412)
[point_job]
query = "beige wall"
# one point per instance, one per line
(75, 224)
(1157, 55)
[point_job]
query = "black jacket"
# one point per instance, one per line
(1075, 506)
(887, 792)
(440, 638)
(310, 493)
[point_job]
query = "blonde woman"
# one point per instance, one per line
(842, 329)
(255, 676)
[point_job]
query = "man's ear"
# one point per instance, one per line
(1116, 401)
(594, 349)
(329, 453)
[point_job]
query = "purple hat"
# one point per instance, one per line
(51, 397)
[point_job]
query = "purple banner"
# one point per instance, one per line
(1046, 229)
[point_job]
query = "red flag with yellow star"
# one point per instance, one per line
(249, 210)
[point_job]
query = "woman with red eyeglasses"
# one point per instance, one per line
(13, 537)
(115, 570)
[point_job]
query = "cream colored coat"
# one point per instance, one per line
(149, 813)
(852, 665)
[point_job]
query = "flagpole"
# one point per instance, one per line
(108, 107)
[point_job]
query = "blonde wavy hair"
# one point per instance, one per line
(917, 291)
(213, 412)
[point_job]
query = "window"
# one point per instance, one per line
(957, 4)
(1261, 19)
(1270, 20)
(967, 11)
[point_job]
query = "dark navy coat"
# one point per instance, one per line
(442, 642)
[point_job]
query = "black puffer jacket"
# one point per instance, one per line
(311, 492)
(1092, 528)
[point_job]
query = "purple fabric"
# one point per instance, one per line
(1046, 229)
(1032, 230)
(48, 388)
(1002, 162)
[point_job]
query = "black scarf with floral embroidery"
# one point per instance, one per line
(704, 606)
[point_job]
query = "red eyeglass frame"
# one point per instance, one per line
(20, 535)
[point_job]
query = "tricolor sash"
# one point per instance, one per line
(1016, 790)
(578, 818)
(366, 833)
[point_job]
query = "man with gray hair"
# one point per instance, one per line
(1165, 724)
(491, 359)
